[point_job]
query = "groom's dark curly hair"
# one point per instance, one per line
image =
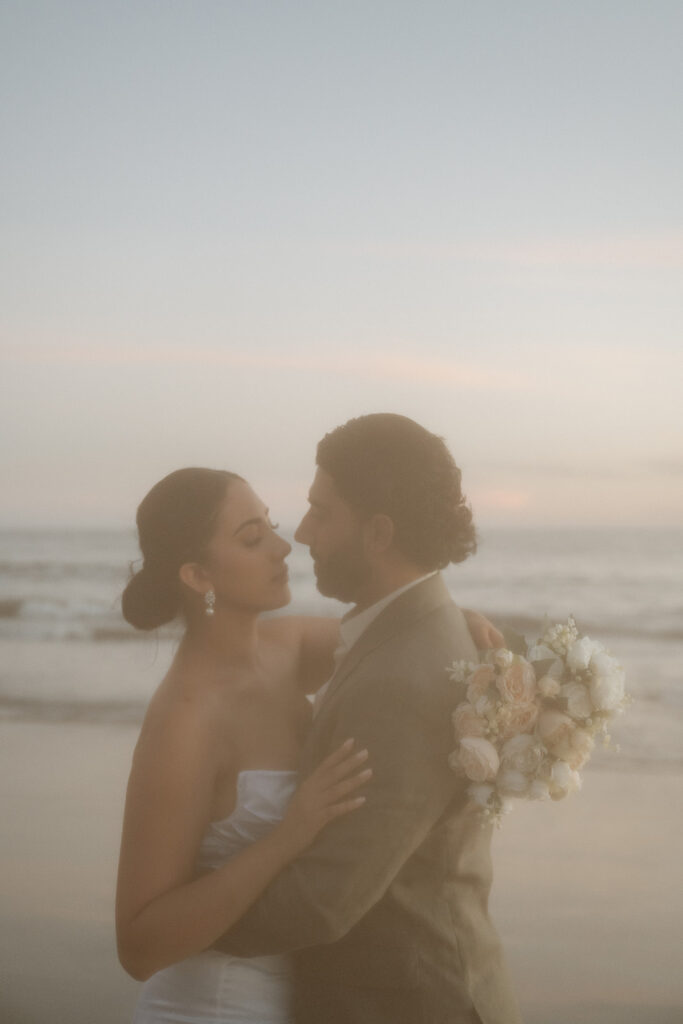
(390, 464)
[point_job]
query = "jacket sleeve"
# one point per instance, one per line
(318, 897)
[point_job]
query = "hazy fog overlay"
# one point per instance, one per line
(230, 227)
(69, 655)
(73, 686)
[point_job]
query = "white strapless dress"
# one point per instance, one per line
(213, 988)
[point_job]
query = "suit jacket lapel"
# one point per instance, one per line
(408, 607)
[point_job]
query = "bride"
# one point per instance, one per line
(213, 810)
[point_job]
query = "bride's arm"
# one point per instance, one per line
(164, 913)
(315, 638)
(483, 632)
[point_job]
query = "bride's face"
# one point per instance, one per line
(246, 557)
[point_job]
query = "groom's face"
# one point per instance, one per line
(333, 532)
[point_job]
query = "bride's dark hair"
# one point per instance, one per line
(175, 520)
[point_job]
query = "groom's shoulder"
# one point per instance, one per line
(424, 646)
(443, 631)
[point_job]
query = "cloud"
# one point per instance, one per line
(665, 467)
(499, 500)
(606, 252)
(376, 365)
(589, 252)
(621, 470)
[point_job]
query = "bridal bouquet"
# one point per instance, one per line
(531, 716)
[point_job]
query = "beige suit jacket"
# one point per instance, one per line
(386, 913)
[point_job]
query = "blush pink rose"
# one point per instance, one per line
(564, 739)
(467, 722)
(478, 759)
(517, 684)
(515, 718)
(554, 728)
(479, 682)
(577, 748)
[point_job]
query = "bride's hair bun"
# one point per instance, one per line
(175, 521)
(150, 601)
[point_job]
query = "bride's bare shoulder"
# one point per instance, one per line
(295, 630)
(311, 640)
(180, 717)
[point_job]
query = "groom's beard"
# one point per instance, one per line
(343, 573)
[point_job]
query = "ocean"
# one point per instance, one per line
(66, 654)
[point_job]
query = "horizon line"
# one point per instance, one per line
(497, 524)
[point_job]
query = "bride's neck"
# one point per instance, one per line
(229, 637)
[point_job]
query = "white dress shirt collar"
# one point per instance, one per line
(353, 626)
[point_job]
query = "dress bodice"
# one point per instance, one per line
(213, 988)
(262, 797)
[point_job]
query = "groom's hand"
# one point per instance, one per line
(483, 632)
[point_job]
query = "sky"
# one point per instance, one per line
(230, 226)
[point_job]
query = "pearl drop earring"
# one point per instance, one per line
(209, 601)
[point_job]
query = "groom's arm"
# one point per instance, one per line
(325, 891)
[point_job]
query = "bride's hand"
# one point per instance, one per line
(326, 794)
(483, 632)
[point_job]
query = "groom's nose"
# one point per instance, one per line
(302, 534)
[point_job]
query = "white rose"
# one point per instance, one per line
(511, 782)
(579, 704)
(581, 652)
(539, 790)
(503, 658)
(607, 692)
(478, 759)
(505, 805)
(480, 793)
(549, 686)
(522, 753)
(603, 664)
(541, 652)
(564, 778)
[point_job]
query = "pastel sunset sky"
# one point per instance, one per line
(230, 225)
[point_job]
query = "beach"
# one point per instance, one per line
(587, 893)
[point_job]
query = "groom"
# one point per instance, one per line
(386, 913)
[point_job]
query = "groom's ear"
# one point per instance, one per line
(379, 534)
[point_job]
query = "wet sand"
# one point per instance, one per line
(587, 894)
